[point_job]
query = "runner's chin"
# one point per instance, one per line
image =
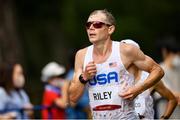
(93, 39)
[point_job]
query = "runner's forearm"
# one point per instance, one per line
(169, 108)
(153, 78)
(76, 90)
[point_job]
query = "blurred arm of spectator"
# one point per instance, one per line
(166, 93)
(28, 107)
(29, 110)
(62, 102)
(9, 116)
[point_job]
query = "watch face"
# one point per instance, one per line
(82, 80)
(81, 77)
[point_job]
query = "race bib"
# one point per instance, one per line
(105, 95)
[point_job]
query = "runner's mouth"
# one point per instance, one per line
(92, 34)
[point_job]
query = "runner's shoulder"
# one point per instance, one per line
(81, 52)
(128, 49)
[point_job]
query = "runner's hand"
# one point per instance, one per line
(130, 93)
(90, 71)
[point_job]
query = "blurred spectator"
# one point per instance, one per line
(14, 102)
(82, 109)
(55, 93)
(171, 65)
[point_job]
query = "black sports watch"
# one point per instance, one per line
(81, 79)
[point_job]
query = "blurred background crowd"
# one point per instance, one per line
(39, 39)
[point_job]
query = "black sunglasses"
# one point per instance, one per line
(96, 24)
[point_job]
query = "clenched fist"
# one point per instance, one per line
(90, 71)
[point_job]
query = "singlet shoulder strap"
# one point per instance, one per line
(116, 50)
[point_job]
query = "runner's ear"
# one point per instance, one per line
(111, 29)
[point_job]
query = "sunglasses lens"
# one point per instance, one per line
(98, 25)
(88, 24)
(95, 24)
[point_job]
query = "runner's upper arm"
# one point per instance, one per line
(79, 60)
(142, 61)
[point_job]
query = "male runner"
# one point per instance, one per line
(105, 68)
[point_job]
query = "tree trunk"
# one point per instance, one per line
(9, 44)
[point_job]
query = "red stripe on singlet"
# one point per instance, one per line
(106, 107)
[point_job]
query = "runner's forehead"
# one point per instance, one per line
(97, 17)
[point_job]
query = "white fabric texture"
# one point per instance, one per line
(111, 79)
(144, 101)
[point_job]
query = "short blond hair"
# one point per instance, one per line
(110, 18)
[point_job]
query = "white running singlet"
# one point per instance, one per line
(111, 79)
(144, 101)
